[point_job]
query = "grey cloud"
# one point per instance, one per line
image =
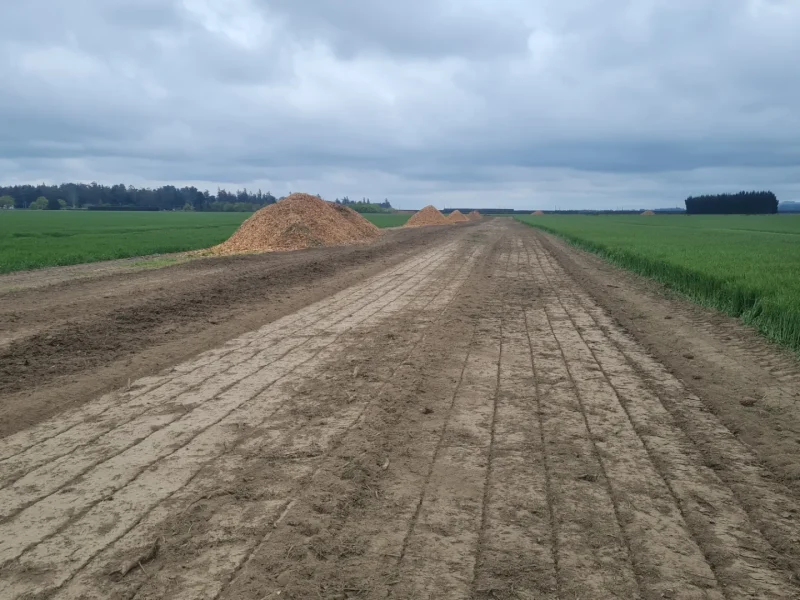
(414, 28)
(502, 101)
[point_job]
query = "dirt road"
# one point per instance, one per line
(470, 422)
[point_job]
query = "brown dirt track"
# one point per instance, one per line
(471, 412)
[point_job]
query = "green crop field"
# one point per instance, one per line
(387, 220)
(746, 266)
(35, 239)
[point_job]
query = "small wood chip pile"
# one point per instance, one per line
(537, 213)
(457, 217)
(474, 215)
(427, 216)
(648, 213)
(296, 222)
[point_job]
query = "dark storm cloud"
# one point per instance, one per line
(503, 101)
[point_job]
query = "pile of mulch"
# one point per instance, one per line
(457, 217)
(296, 222)
(427, 216)
(537, 213)
(364, 227)
(474, 215)
(648, 213)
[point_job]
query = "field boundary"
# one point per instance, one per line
(779, 324)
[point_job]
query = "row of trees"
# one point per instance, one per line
(743, 203)
(366, 206)
(168, 197)
(41, 203)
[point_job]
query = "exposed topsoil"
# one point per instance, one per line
(297, 222)
(61, 344)
(429, 215)
(475, 422)
(457, 217)
(752, 386)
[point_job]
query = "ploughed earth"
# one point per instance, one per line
(450, 412)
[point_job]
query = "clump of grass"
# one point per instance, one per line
(747, 267)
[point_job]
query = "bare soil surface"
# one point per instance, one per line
(494, 415)
(67, 334)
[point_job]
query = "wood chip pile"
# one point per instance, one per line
(457, 217)
(537, 213)
(474, 215)
(296, 222)
(427, 216)
(366, 229)
(648, 213)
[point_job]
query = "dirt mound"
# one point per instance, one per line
(299, 221)
(537, 213)
(474, 215)
(648, 213)
(427, 216)
(457, 217)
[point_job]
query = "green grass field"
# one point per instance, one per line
(387, 220)
(35, 239)
(746, 266)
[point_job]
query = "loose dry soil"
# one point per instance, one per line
(476, 412)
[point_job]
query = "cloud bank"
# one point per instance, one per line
(471, 103)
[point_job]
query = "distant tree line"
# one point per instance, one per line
(119, 197)
(743, 203)
(93, 196)
(366, 206)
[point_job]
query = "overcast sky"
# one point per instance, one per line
(517, 103)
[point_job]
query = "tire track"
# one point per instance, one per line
(292, 505)
(517, 556)
(342, 324)
(44, 481)
(593, 559)
(508, 276)
(446, 524)
(204, 576)
(179, 376)
(736, 488)
(694, 493)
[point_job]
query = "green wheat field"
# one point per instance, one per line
(745, 266)
(36, 239)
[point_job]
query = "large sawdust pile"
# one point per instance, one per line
(364, 227)
(648, 213)
(537, 213)
(457, 217)
(296, 222)
(474, 215)
(427, 216)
